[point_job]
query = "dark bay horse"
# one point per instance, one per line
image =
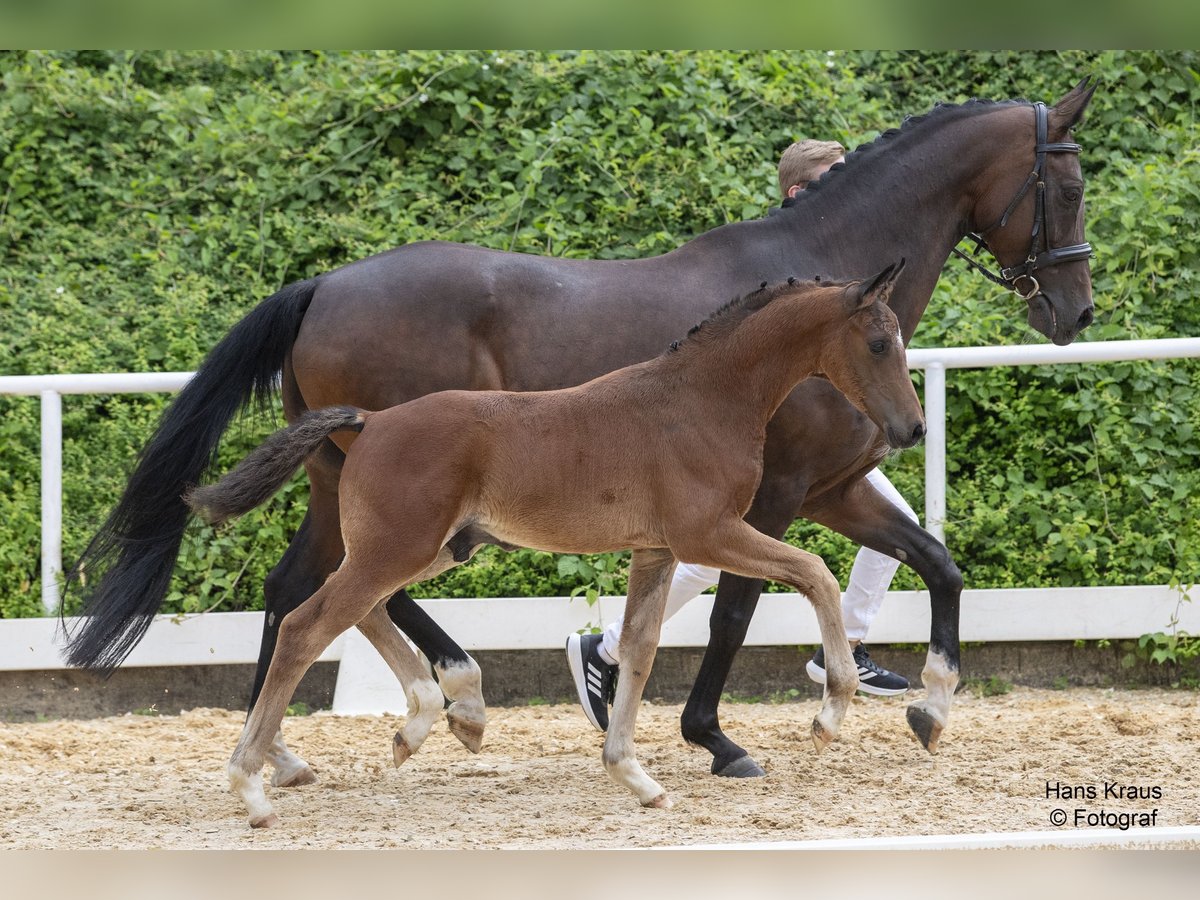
(624, 461)
(433, 316)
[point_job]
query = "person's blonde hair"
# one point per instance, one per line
(801, 162)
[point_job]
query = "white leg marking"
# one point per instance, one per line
(290, 769)
(424, 704)
(462, 683)
(250, 788)
(629, 773)
(940, 681)
(928, 717)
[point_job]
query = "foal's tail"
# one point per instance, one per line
(124, 573)
(268, 467)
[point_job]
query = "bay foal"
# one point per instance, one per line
(628, 460)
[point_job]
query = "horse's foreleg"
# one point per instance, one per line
(649, 581)
(423, 695)
(733, 608)
(865, 516)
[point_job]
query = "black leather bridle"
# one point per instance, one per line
(1009, 277)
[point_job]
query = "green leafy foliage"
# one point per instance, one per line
(149, 200)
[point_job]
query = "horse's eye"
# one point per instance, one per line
(1071, 195)
(877, 347)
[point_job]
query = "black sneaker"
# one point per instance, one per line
(872, 677)
(595, 680)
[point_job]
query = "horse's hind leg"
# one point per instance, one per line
(423, 694)
(650, 574)
(346, 598)
(458, 674)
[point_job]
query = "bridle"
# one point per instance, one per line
(1009, 277)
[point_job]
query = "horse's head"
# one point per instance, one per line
(869, 365)
(1031, 218)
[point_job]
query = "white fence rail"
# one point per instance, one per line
(935, 362)
(365, 684)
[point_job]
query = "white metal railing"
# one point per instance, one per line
(934, 361)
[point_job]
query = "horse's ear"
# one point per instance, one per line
(875, 289)
(1068, 111)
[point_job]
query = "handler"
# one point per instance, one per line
(594, 659)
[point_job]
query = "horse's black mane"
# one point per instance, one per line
(972, 107)
(737, 310)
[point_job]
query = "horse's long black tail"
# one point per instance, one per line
(257, 477)
(124, 573)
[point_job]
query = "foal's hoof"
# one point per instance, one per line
(290, 778)
(822, 737)
(468, 731)
(268, 821)
(400, 750)
(742, 767)
(924, 726)
(662, 801)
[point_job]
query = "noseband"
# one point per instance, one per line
(1011, 276)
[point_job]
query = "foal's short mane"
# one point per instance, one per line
(942, 112)
(737, 310)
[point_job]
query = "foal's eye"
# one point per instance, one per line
(877, 347)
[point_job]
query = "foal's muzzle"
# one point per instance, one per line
(905, 438)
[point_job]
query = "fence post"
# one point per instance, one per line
(52, 507)
(935, 450)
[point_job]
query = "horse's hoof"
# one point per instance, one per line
(662, 801)
(468, 731)
(742, 767)
(268, 821)
(927, 729)
(821, 736)
(294, 777)
(400, 750)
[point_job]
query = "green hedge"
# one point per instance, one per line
(149, 200)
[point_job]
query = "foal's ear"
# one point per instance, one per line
(875, 289)
(1068, 111)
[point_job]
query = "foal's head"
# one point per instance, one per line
(866, 361)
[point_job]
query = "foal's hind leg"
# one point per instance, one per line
(347, 597)
(650, 574)
(312, 554)
(297, 576)
(423, 694)
(458, 674)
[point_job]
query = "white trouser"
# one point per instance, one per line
(870, 576)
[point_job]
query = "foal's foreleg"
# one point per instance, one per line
(734, 546)
(423, 694)
(865, 516)
(650, 574)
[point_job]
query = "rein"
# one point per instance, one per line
(1010, 276)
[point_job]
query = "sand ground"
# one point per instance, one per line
(147, 782)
